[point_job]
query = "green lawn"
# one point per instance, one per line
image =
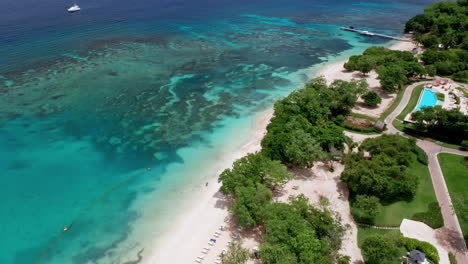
(394, 213)
(455, 170)
(395, 103)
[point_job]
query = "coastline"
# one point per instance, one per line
(205, 210)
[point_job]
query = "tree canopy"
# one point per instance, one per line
(385, 175)
(252, 169)
(304, 126)
(442, 30)
(372, 98)
(378, 249)
(451, 124)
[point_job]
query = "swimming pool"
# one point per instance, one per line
(428, 98)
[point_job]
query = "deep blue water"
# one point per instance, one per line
(87, 100)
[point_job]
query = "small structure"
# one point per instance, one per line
(381, 126)
(417, 257)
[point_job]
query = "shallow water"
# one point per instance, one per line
(90, 99)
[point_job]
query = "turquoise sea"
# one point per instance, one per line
(89, 101)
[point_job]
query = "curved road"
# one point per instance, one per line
(452, 233)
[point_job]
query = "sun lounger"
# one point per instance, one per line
(217, 262)
(218, 233)
(200, 257)
(204, 251)
(206, 248)
(211, 243)
(198, 260)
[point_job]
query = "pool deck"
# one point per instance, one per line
(449, 102)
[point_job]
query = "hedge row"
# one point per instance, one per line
(421, 155)
(425, 247)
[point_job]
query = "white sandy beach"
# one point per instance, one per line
(191, 231)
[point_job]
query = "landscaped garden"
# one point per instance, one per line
(393, 214)
(455, 168)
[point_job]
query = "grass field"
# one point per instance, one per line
(394, 104)
(394, 213)
(409, 107)
(455, 170)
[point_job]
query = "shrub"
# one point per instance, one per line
(457, 99)
(365, 208)
(440, 96)
(432, 217)
(421, 155)
(464, 145)
(461, 76)
(452, 258)
(426, 248)
(371, 98)
(380, 249)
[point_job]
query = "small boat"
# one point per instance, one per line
(367, 33)
(74, 8)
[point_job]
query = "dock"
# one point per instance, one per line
(368, 33)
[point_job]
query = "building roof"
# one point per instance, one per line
(417, 256)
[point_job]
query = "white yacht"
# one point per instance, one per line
(74, 8)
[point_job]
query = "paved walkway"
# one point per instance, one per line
(451, 235)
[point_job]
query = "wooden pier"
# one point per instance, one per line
(368, 33)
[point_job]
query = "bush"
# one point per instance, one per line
(464, 145)
(452, 258)
(461, 76)
(378, 249)
(421, 155)
(365, 208)
(432, 217)
(440, 96)
(371, 98)
(426, 248)
(457, 99)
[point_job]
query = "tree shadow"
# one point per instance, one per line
(222, 201)
(300, 173)
(451, 238)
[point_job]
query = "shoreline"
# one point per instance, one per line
(201, 216)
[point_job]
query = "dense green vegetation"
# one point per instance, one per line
(425, 247)
(423, 207)
(372, 98)
(395, 68)
(437, 122)
(384, 175)
(388, 246)
(454, 168)
(306, 123)
(396, 175)
(452, 258)
(235, 254)
(299, 233)
(379, 248)
(442, 29)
